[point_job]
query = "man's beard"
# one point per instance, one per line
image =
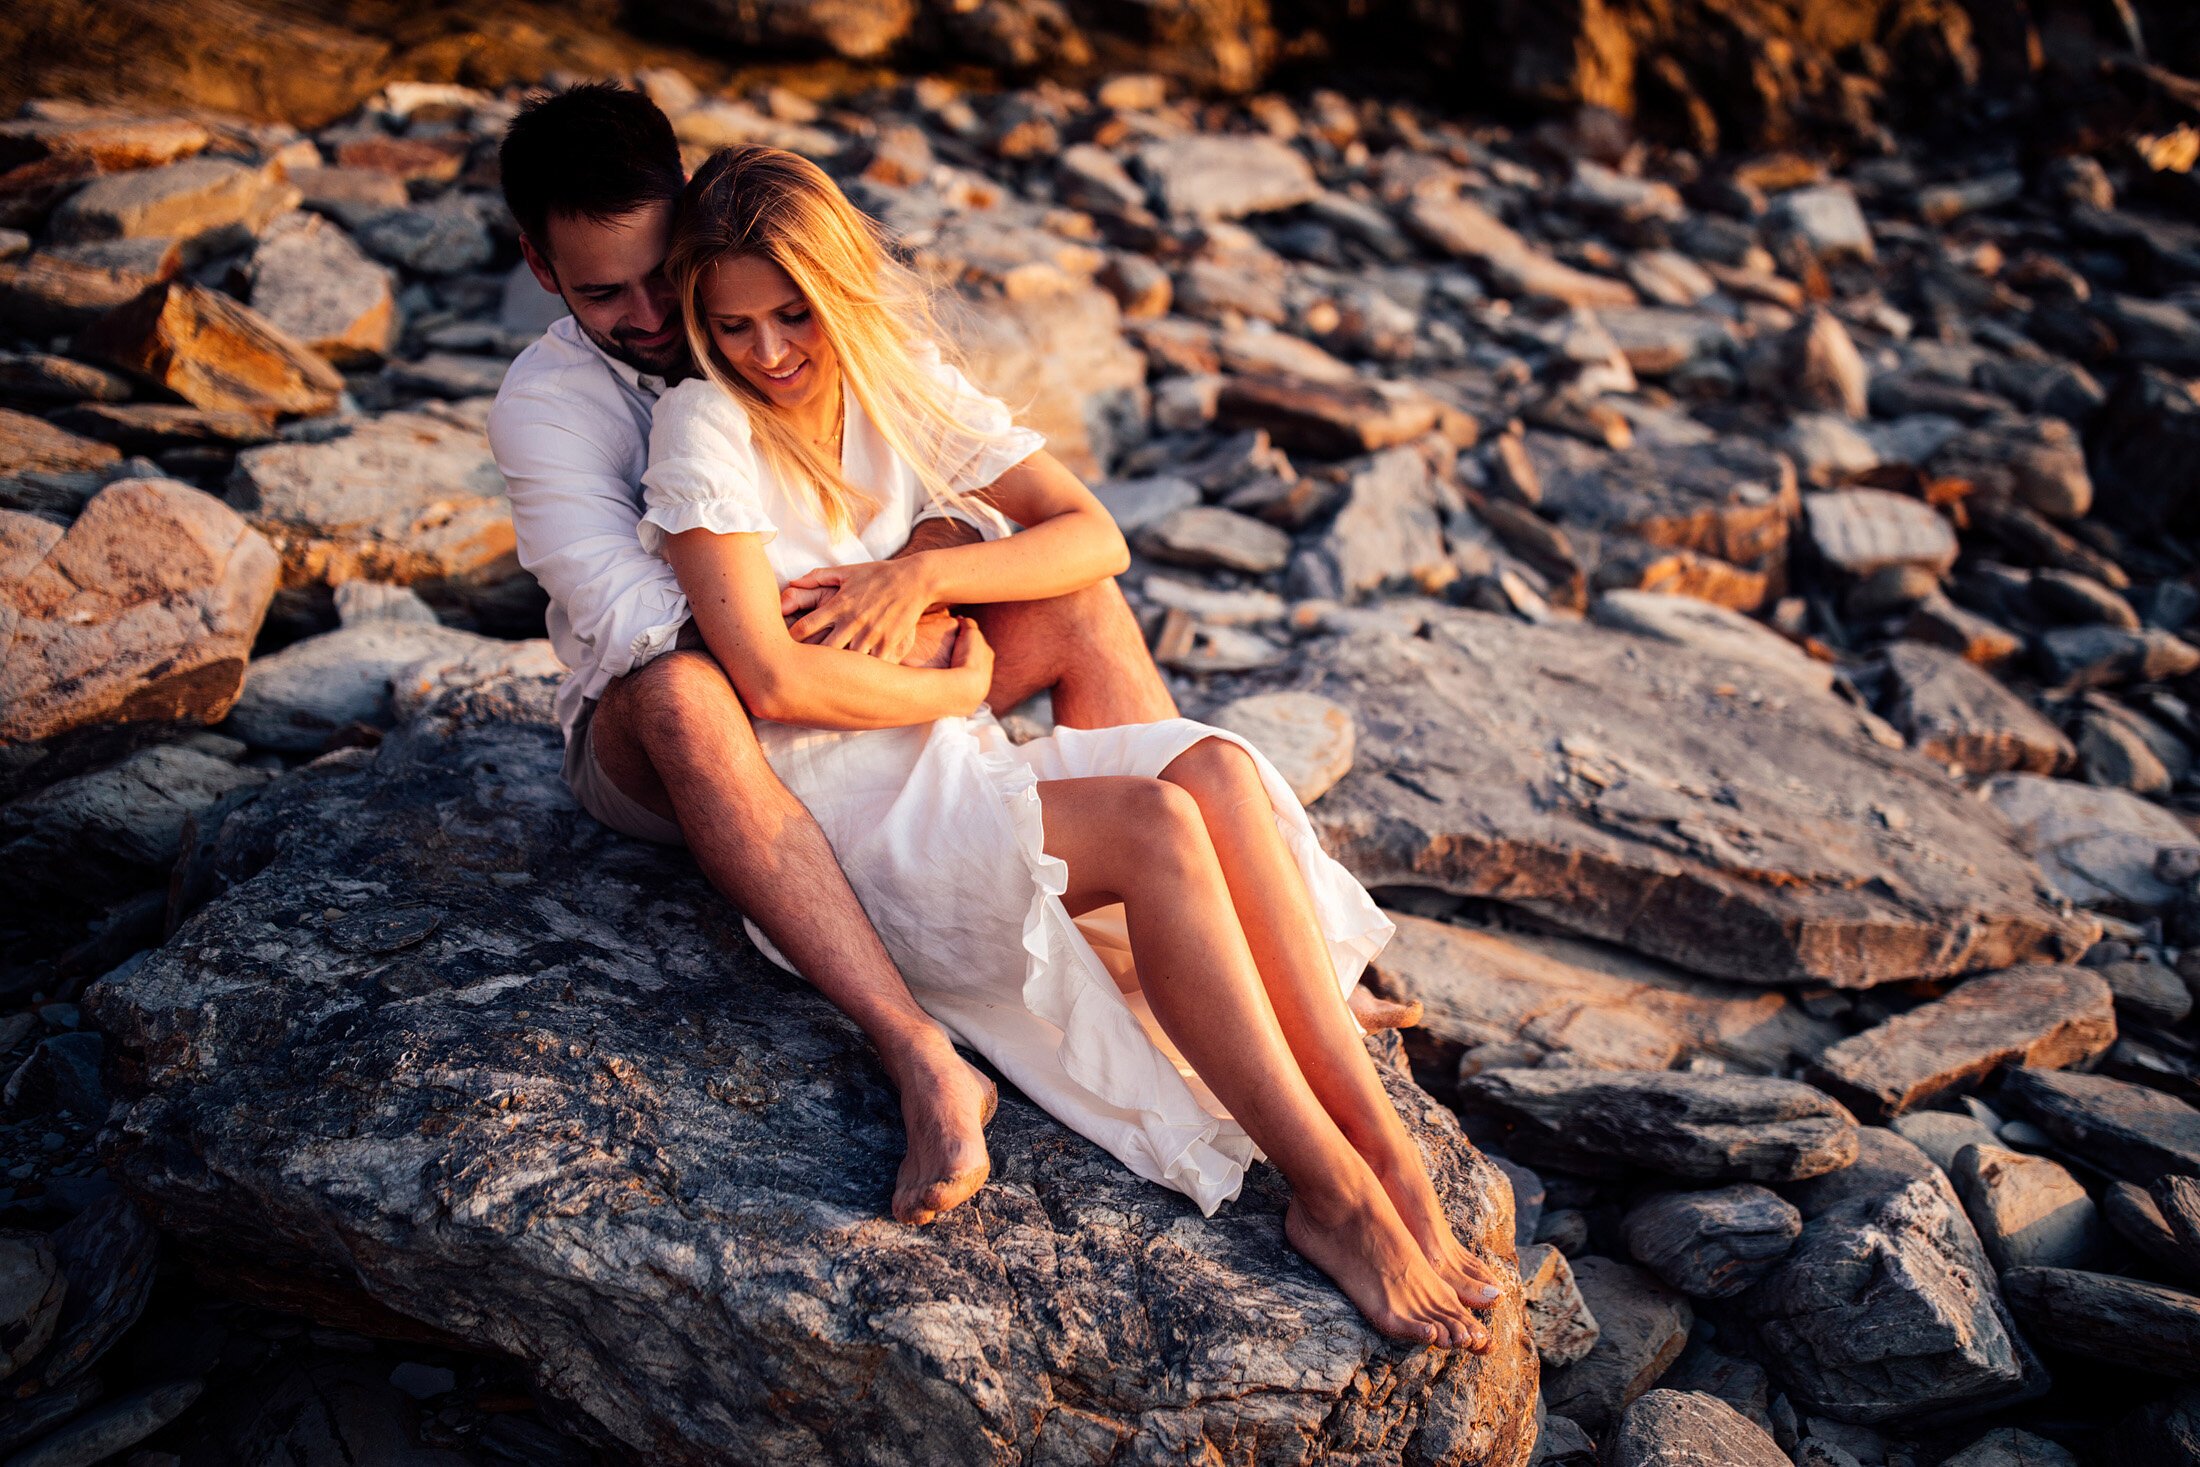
(671, 362)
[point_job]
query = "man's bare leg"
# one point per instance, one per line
(674, 736)
(1087, 647)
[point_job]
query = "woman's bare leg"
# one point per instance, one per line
(1142, 842)
(1277, 915)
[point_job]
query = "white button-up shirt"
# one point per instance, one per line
(570, 430)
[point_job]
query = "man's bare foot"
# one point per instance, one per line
(1366, 1251)
(1422, 1214)
(945, 1107)
(1376, 1012)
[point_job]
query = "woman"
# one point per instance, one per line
(823, 423)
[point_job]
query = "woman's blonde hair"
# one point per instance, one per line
(753, 200)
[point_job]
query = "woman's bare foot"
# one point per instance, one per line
(945, 1107)
(1376, 1012)
(1366, 1251)
(1422, 1214)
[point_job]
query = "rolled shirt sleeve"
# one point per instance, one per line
(575, 522)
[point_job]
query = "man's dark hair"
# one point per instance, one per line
(597, 151)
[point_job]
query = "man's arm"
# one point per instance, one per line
(573, 520)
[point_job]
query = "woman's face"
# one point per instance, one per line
(766, 332)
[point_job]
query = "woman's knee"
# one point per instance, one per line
(1216, 770)
(1163, 828)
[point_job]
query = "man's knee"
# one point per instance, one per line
(1071, 626)
(681, 703)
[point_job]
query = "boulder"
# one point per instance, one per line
(1459, 226)
(1712, 1245)
(1827, 217)
(312, 283)
(1592, 1006)
(1860, 531)
(144, 609)
(294, 699)
(1813, 367)
(1709, 1127)
(2028, 1210)
(2008, 1446)
(2106, 656)
(46, 296)
(47, 467)
(2118, 1321)
(2045, 1018)
(445, 236)
(556, 1138)
(192, 199)
(40, 377)
(1326, 419)
(1059, 359)
(1689, 1429)
(1389, 528)
(1208, 535)
(1683, 805)
(1886, 1309)
(2098, 847)
(1687, 622)
(1307, 738)
(411, 497)
(157, 427)
(1206, 177)
(1733, 498)
(81, 843)
(212, 352)
(1940, 1134)
(2123, 1129)
(1565, 1330)
(1641, 1328)
(1955, 714)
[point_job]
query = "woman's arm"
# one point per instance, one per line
(1069, 542)
(734, 596)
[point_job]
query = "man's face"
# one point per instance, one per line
(765, 330)
(611, 275)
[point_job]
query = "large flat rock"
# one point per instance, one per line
(2124, 1129)
(1686, 806)
(447, 1041)
(1733, 499)
(410, 497)
(2045, 1018)
(1711, 1127)
(1597, 1007)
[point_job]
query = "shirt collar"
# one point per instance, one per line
(651, 387)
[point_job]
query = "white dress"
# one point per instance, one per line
(938, 825)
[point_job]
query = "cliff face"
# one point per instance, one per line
(1734, 74)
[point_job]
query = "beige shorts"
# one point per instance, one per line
(595, 791)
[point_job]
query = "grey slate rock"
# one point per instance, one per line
(2117, 1321)
(1689, 1429)
(2124, 1129)
(1491, 761)
(1712, 1245)
(1642, 1327)
(1886, 1310)
(1711, 1127)
(583, 1123)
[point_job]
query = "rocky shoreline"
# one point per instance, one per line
(1738, 613)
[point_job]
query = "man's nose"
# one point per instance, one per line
(651, 314)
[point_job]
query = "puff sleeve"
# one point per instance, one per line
(991, 443)
(704, 473)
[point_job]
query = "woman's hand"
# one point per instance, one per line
(872, 607)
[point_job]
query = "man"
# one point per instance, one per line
(658, 744)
